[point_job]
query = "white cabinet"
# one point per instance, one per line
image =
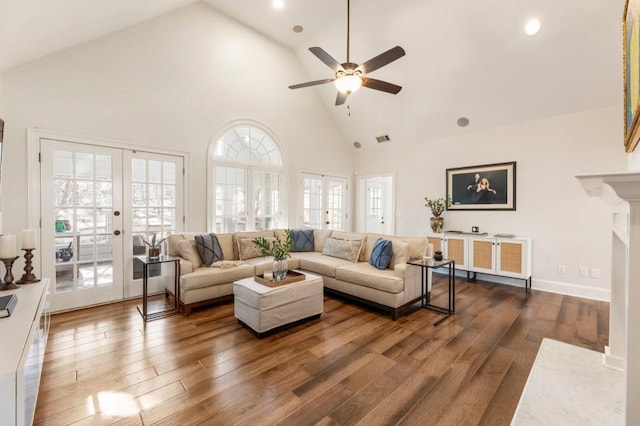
(24, 338)
(453, 247)
(508, 257)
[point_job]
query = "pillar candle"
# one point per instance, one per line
(8, 247)
(28, 238)
(430, 250)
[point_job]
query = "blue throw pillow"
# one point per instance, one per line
(381, 254)
(302, 240)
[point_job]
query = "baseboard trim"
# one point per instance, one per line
(572, 290)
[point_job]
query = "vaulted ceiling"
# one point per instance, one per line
(464, 58)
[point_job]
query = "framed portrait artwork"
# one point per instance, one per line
(631, 55)
(486, 187)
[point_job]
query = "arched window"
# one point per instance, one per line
(247, 173)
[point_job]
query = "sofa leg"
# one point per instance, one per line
(187, 310)
(394, 314)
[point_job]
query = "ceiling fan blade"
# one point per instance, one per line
(341, 98)
(326, 58)
(384, 86)
(311, 83)
(382, 59)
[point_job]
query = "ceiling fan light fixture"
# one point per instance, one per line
(348, 83)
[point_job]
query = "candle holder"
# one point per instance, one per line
(28, 277)
(8, 277)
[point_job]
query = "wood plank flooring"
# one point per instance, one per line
(353, 366)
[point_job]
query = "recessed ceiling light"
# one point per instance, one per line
(357, 145)
(298, 29)
(277, 4)
(533, 26)
(463, 122)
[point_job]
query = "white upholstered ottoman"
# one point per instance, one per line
(265, 308)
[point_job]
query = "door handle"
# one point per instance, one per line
(116, 213)
(116, 232)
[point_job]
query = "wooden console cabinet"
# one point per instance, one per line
(23, 338)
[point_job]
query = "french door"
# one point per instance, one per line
(324, 200)
(97, 203)
(376, 204)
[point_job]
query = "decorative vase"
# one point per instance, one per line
(280, 268)
(437, 255)
(436, 223)
(154, 252)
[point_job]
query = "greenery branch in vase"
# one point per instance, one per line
(279, 249)
(437, 206)
(154, 245)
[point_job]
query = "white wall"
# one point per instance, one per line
(567, 226)
(173, 83)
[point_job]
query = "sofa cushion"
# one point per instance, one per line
(262, 264)
(381, 254)
(188, 251)
(324, 265)
(343, 249)
(366, 275)
(371, 241)
(225, 240)
(320, 238)
(247, 248)
(209, 248)
(400, 251)
(417, 246)
(207, 276)
(302, 240)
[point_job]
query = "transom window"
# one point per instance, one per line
(247, 180)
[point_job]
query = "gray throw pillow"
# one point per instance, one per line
(209, 248)
(302, 240)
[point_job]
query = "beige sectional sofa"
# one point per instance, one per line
(393, 290)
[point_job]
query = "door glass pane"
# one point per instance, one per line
(336, 204)
(139, 192)
(104, 271)
(155, 171)
(63, 164)
(84, 165)
(85, 249)
(63, 189)
(103, 167)
(86, 276)
(138, 170)
(169, 173)
(312, 202)
(84, 193)
(104, 194)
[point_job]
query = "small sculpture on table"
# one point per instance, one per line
(8, 256)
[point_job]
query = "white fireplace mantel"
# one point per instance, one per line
(621, 191)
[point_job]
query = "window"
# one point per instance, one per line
(247, 175)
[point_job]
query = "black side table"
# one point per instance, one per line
(434, 264)
(146, 261)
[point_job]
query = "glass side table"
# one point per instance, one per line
(426, 302)
(146, 262)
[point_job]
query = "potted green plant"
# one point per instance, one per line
(279, 249)
(437, 206)
(154, 245)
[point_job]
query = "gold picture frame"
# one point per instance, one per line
(631, 65)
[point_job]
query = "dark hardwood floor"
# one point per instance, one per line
(352, 366)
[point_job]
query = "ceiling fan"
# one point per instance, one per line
(349, 76)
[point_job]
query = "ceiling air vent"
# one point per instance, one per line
(383, 138)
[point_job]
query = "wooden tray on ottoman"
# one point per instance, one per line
(292, 277)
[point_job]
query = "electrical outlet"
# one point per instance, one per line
(594, 273)
(584, 272)
(562, 269)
